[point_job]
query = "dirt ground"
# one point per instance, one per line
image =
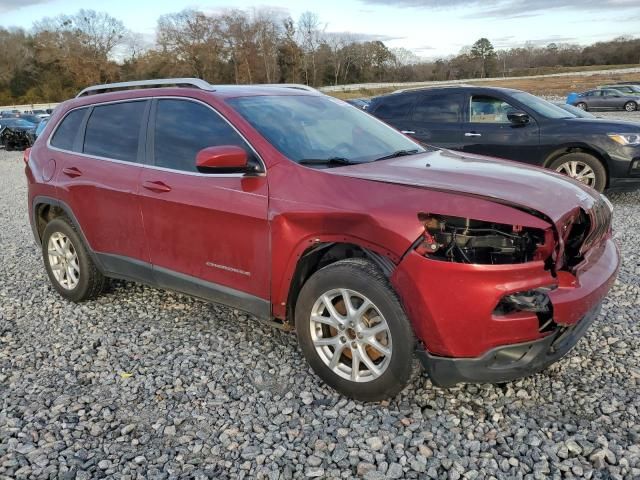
(545, 86)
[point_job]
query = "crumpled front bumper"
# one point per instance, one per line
(506, 363)
(452, 306)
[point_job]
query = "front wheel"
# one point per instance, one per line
(353, 331)
(582, 106)
(630, 106)
(582, 167)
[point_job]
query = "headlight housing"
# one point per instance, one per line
(626, 139)
(465, 240)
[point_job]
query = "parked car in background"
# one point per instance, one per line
(16, 133)
(606, 99)
(9, 113)
(578, 112)
(318, 217)
(40, 113)
(35, 119)
(361, 103)
(627, 89)
(34, 134)
(518, 126)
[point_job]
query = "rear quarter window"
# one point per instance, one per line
(65, 135)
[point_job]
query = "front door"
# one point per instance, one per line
(488, 131)
(208, 233)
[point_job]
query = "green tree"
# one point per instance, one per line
(483, 50)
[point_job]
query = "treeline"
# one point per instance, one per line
(61, 55)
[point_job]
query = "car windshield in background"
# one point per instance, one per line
(311, 129)
(540, 106)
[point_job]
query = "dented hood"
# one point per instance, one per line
(511, 183)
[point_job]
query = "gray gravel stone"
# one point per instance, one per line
(143, 383)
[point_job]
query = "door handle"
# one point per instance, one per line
(408, 132)
(72, 172)
(472, 134)
(157, 186)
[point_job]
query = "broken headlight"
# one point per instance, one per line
(464, 240)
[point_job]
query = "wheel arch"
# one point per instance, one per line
(44, 209)
(322, 254)
(600, 155)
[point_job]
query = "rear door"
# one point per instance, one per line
(488, 130)
(208, 233)
(98, 152)
(395, 110)
(436, 119)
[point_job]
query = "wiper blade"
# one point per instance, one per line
(327, 161)
(398, 153)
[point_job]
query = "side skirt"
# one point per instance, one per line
(125, 268)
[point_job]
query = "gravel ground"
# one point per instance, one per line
(148, 384)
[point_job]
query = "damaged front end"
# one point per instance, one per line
(15, 138)
(464, 240)
(505, 283)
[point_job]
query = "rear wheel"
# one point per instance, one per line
(582, 106)
(353, 331)
(69, 266)
(631, 106)
(582, 167)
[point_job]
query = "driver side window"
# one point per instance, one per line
(183, 128)
(485, 109)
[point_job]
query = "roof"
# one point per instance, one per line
(455, 87)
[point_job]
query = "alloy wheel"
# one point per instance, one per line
(351, 335)
(579, 171)
(630, 107)
(63, 260)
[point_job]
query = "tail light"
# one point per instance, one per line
(26, 155)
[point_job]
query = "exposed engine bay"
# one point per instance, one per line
(464, 240)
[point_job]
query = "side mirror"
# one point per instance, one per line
(518, 117)
(224, 157)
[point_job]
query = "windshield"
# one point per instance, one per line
(540, 106)
(306, 127)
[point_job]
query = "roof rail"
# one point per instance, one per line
(298, 86)
(179, 82)
(437, 85)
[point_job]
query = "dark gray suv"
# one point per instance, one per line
(516, 125)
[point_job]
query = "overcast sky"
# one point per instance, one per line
(424, 26)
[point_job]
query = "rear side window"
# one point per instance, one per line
(113, 131)
(394, 106)
(438, 109)
(183, 128)
(65, 134)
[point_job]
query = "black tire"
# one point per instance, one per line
(365, 278)
(630, 106)
(582, 106)
(90, 282)
(595, 164)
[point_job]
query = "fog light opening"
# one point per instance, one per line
(536, 301)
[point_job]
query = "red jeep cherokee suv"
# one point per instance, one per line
(311, 214)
